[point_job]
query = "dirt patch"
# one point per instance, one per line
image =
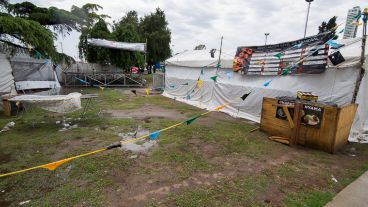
(137, 189)
(140, 92)
(140, 146)
(5, 203)
(146, 112)
(216, 116)
(75, 144)
(4, 158)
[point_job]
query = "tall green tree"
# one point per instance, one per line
(99, 54)
(36, 26)
(130, 28)
(154, 29)
(328, 26)
(88, 12)
(126, 30)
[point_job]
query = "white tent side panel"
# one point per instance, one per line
(6, 77)
(335, 85)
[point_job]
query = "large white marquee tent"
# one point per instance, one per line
(336, 84)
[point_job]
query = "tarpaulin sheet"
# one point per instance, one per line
(140, 47)
(6, 77)
(54, 103)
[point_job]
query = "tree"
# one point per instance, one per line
(90, 18)
(99, 54)
(200, 47)
(126, 30)
(325, 27)
(31, 25)
(154, 28)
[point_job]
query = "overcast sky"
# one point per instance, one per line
(240, 22)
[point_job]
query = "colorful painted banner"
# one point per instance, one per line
(274, 59)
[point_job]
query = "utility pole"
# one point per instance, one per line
(306, 21)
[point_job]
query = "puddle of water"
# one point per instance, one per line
(140, 146)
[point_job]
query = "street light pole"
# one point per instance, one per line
(266, 34)
(306, 21)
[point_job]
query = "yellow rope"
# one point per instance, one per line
(51, 165)
(54, 165)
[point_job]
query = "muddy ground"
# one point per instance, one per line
(216, 161)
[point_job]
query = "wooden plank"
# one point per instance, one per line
(269, 123)
(295, 132)
(6, 107)
(345, 120)
(288, 116)
(322, 138)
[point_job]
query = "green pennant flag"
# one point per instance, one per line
(358, 15)
(38, 55)
(218, 65)
(191, 120)
(285, 72)
(278, 55)
(214, 78)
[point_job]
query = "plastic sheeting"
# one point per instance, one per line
(56, 103)
(30, 69)
(140, 47)
(6, 77)
(335, 85)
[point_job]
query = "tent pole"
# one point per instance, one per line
(362, 57)
(219, 60)
(217, 67)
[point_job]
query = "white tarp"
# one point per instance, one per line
(55, 103)
(140, 47)
(6, 77)
(336, 84)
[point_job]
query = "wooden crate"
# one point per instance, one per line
(332, 134)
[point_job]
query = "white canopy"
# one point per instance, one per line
(140, 47)
(336, 84)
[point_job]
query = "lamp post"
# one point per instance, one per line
(266, 34)
(306, 21)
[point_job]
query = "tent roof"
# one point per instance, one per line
(202, 58)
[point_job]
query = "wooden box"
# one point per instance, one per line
(330, 134)
(9, 108)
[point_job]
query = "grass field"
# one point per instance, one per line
(215, 161)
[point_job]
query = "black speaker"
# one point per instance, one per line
(212, 51)
(336, 58)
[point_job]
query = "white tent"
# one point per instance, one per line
(6, 78)
(336, 84)
(22, 73)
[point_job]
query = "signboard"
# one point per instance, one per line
(280, 114)
(273, 59)
(312, 115)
